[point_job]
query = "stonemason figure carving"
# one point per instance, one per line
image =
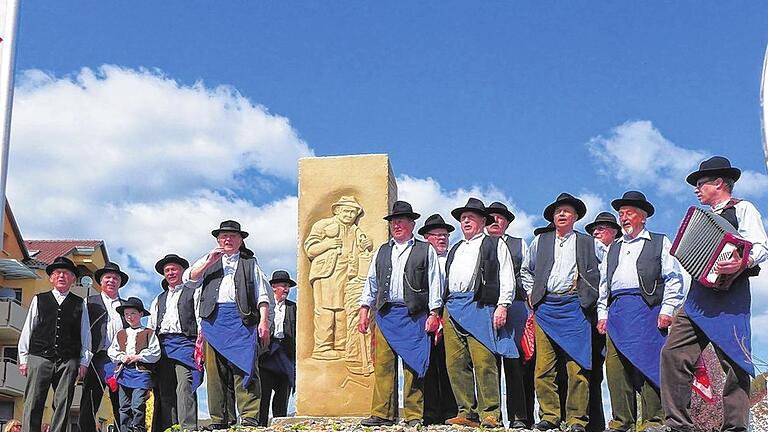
(340, 254)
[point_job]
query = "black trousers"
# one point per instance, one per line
(93, 391)
(596, 414)
(517, 396)
(439, 402)
(274, 388)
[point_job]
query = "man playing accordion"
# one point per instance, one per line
(720, 317)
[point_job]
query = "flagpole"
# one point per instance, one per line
(764, 105)
(7, 69)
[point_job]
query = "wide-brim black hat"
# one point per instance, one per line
(434, 222)
(716, 166)
(170, 259)
(114, 268)
(544, 229)
(282, 276)
(634, 199)
(500, 208)
(566, 199)
(134, 303)
(604, 218)
(402, 209)
(229, 226)
(62, 263)
(473, 205)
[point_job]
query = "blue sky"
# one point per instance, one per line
(146, 123)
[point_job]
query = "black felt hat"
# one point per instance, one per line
(433, 222)
(402, 209)
(500, 208)
(566, 199)
(716, 166)
(541, 230)
(134, 303)
(604, 218)
(473, 205)
(114, 268)
(634, 199)
(170, 259)
(229, 226)
(282, 276)
(62, 263)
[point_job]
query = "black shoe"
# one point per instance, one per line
(545, 426)
(518, 424)
(249, 422)
(216, 426)
(577, 428)
(415, 423)
(377, 421)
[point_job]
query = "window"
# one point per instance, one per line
(11, 352)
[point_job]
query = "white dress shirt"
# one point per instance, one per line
(171, 322)
(564, 271)
(114, 321)
(750, 227)
(150, 354)
(85, 330)
(625, 276)
(465, 264)
(279, 332)
(399, 256)
(264, 293)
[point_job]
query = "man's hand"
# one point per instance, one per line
(130, 358)
(664, 321)
(433, 323)
(363, 320)
(23, 369)
(214, 255)
(530, 303)
(263, 330)
(730, 266)
(601, 325)
(81, 372)
(499, 316)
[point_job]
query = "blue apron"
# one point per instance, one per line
(477, 319)
(517, 315)
(406, 336)
(225, 332)
(133, 378)
(105, 368)
(561, 318)
(724, 318)
(633, 329)
(181, 349)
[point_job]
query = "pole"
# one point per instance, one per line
(7, 68)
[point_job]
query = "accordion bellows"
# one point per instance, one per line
(704, 239)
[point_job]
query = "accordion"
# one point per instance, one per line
(704, 239)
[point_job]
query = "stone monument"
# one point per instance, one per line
(342, 201)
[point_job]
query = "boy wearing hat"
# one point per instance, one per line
(641, 286)
(561, 277)
(719, 317)
(54, 348)
(175, 318)
(105, 323)
(518, 376)
(277, 367)
(480, 286)
(439, 402)
(404, 286)
(134, 350)
(236, 307)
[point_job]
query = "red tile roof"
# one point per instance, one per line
(50, 249)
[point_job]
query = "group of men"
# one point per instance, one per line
(224, 299)
(459, 318)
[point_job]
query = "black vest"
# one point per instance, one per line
(56, 331)
(729, 214)
(245, 290)
(515, 246)
(98, 317)
(415, 277)
(186, 306)
(588, 283)
(649, 273)
(487, 287)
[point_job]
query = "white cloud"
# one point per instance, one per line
(595, 204)
(751, 184)
(638, 155)
(428, 197)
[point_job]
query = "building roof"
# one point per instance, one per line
(46, 251)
